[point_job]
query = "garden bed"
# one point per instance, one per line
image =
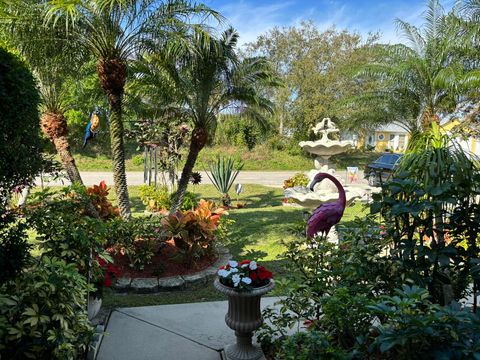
(174, 277)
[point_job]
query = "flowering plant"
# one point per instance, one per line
(244, 275)
(103, 273)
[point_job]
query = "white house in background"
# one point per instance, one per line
(390, 137)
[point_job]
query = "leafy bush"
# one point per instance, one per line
(411, 327)
(331, 286)
(311, 345)
(98, 194)
(137, 239)
(299, 179)
(62, 228)
(43, 313)
(194, 231)
(14, 248)
(223, 173)
(21, 145)
(159, 198)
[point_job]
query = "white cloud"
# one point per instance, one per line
(253, 18)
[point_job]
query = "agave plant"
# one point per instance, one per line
(223, 173)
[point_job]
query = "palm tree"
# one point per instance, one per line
(210, 79)
(428, 71)
(53, 57)
(115, 32)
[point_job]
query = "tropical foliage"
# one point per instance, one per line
(223, 173)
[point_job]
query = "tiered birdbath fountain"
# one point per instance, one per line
(323, 149)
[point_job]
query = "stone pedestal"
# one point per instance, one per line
(244, 316)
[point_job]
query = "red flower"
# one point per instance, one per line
(221, 267)
(107, 282)
(101, 262)
(253, 275)
(264, 274)
(115, 271)
(243, 262)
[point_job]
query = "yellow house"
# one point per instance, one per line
(470, 144)
(391, 137)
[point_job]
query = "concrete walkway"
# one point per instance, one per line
(169, 332)
(267, 178)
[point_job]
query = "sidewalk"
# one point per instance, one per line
(194, 331)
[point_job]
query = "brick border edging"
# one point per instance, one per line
(179, 282)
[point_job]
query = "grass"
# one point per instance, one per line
(261, 158)
(258, 233)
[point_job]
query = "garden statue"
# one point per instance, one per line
(323, 149)
(328, 214)
(92, 128)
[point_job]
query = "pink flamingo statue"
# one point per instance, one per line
(329, 214)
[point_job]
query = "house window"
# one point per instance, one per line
(392, 137)
(381, 137)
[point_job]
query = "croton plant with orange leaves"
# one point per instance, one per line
(194, 230)
(98, 195)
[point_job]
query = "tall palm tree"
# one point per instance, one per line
(116, 31)
(53, 57)
(429, 70)
(210, 79)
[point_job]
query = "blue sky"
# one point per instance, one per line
(253, 17)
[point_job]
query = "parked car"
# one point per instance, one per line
(381, 170)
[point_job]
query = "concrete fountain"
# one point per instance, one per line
(323, 149)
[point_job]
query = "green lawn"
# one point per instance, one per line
(258, 233)
(260, 158)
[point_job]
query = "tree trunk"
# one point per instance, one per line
(428, 118)
(199, 139)
(118, 155)
(112, 74)
(54, 125)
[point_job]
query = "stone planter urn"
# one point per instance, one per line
(244, 316)
(94, 305)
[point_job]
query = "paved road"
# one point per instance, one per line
(267, 178)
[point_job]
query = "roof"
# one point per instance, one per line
(392, 128)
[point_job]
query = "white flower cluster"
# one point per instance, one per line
(238, 277)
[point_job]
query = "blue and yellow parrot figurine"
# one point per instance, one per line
(92, 128)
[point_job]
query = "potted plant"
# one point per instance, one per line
(103, 272)
(244, 283)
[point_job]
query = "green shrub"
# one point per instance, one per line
(310, 345)
(21, 145)
(138, 159)
(411, 327)
(62, 228)
(223, 173)
(158, 198)
(43, 313)
(14, 249)
(299, 179)
(137, 239)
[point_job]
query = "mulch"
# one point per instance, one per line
(168, 261)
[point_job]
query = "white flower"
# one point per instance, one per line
(244, 266)
(247, 280)
(253, 265)
(236, 280)
(223, 273)
(233, 270)
(232, 263)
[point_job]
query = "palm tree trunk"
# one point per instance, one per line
(199, 139)
(112, 74)
(118, 155)
(54, 125)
